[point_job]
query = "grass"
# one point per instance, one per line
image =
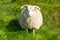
(10, 29)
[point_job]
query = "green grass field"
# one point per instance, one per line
(10, 29)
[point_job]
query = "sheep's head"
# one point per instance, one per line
(31, 9)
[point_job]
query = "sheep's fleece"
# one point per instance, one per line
(30, 17)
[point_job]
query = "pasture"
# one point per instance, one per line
(9, 26)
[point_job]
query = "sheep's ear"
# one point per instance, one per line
(24, 6)
(37, 7)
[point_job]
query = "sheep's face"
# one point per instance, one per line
(31, 10)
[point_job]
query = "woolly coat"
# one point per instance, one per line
(33, 22)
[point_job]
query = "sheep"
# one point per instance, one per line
(30, 18)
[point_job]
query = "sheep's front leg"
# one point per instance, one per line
(34, 32)
(26, 29)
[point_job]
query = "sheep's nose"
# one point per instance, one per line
(30, 14)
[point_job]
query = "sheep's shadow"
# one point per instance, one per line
(13, 26)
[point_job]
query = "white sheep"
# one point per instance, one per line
(30, 17)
